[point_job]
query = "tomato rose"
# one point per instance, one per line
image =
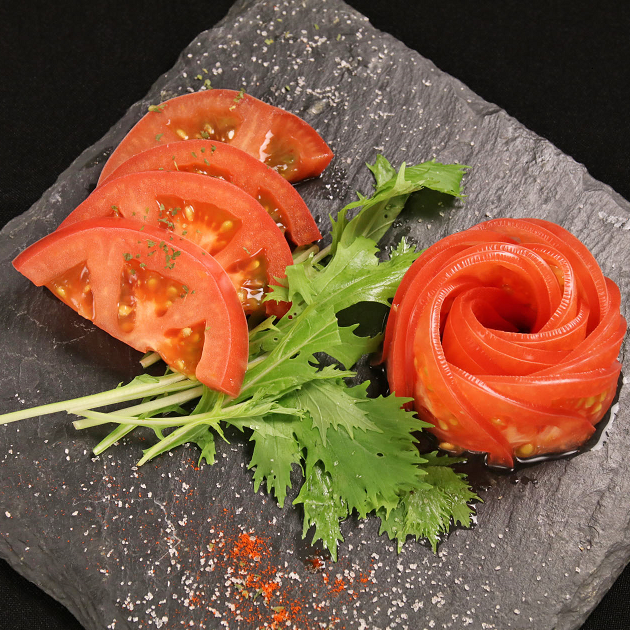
(506, 336)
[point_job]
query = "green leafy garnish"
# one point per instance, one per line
(357, 454)
(427, 512)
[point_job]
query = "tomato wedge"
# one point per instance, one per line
(506, 336)
(149, 292)
(233, 165)
(219, 217)
(276, 137)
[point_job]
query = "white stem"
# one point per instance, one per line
(110, 397)
(149, 359)
(299, 257)
(322, 254)
(257, 360)
(96, 418)
(136, 410)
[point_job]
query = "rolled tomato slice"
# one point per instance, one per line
(151, 293)
(272, 135)
(216, 215)
(506, 335)
(233, 165)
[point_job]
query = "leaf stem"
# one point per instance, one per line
(132, 391)
(322, 254)
(257, 360)
(136, 410)
(171, 438)
(96, 418)
(301, 256)
(117, 434)
(149, 359)
(213, 417)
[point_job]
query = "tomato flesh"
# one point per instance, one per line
(210, 226)
(506, 336)
(216, 159)
(221, 128)
(141, 288)
(274, 136)
(185, 347)
(216, 215)
(73, 288)
(149, 292)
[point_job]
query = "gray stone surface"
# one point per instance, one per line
(137, 548)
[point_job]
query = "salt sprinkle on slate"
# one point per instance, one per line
(170, 545)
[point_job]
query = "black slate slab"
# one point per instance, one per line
(575, 544)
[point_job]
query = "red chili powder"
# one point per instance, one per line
(256, 592)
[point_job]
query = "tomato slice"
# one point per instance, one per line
(219, 217)
(506, 336)
(151, 292)
(276, 137)
(223, 161)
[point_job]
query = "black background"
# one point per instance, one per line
(68, 72)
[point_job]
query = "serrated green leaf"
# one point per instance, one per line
(330, 405)
(356, 275)
(352, 347)
(258, 335)
(205, 441)
(323, 508)
(370, 469)
(427, 512)
(382, 170)
(379, 211)
(275, 452)
(289, 363)
(299, 279)
(444, 178)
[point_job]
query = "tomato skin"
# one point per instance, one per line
(106, 246)
(266, 132)
(235, 166)
(138, 197)
(506, 336)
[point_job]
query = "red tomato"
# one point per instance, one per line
(148, 291)
(506, 336)
(219, 217)
(281, 140)
(221, 160)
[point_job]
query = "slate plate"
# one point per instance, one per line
(542, 554)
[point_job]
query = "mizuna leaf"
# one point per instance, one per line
(371, 468)
(353, 347)
(323, 508)
(275, 452)
(428, 512)
(330, 405)
(380, 210)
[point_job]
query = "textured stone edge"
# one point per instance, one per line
(569, 616)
